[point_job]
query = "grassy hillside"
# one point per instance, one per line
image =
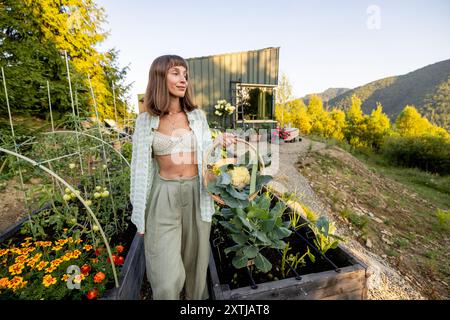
(427, 88)
(401, 214)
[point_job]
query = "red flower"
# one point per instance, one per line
(98, 251)
(114, 258)
(92, 294)
(85, 269)
(119, 261)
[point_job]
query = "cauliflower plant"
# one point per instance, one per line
(240, 177)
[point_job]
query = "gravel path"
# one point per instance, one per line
(385, 283)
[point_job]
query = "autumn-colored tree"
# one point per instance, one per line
(299, 117)
(378, 128)
(336, 131)
(318, 115)
(356, 124)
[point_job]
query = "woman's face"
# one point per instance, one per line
(176, 81)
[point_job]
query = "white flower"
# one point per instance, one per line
(104, 166)
(67, 197)
(218, 113)
(98, 188)
(95, 227)
(88, 202)
(105, 194)
(97, 195)
(216, 106)
(72, 165)
(67, 190)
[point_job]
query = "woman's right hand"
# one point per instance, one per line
(141, 234)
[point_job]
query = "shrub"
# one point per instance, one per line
(430, 153)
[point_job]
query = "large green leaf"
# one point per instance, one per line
(239, 262)
(278, 209)
(250, 251)
(239, 238)
(246, 223)
(224, 179)
(229, 226)
(268, 224)
(261, 236)
(241, 195)
(282, 232)
(233, 202)
(232, 248)
(262, 180)
(279, 244)
(262, 263)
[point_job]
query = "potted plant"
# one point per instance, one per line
(223, 109)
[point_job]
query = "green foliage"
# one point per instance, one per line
(33, 38)
(294, 261)
(254, 228)
(325, 238)
(426, 152)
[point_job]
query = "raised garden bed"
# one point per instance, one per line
(132, 271)
(336, 275)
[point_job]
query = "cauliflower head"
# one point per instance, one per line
(240, 177)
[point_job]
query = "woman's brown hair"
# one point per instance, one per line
(156, 98)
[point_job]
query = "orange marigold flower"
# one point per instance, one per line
(87, 247)
(50, 269)
(57, 248)
(99, 277)
(65, 277)
(16, 268)
(4, 282)
(26, 244)
(16, 282)
(3, 252)
(21, 259)
(78, 241)
(48, 280)
(42, 265)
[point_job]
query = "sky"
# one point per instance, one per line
(322, 44)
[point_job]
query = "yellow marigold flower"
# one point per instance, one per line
(26, 244)
(42, 265)
(47, 244)
(76, 253)
(4, 282)
(48, 280)
(16, 282)
(16, 250)
(78, 241)
(87, 247)
(31, 263)
(21, 259)
(50, 269)
(57, 248)
(70, 239)
(16, 268)
(3, 252)
(65, 277)
(65, 230)
(28, 238)
(28, 250)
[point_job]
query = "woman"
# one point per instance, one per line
(171, 207)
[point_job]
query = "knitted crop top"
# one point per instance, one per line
(164, 144)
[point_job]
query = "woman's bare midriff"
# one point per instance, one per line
(178, 165)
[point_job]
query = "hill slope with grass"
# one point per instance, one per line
(399, 214)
